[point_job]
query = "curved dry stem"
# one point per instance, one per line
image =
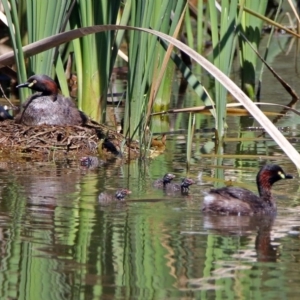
(61, 38)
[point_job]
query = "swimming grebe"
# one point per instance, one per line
(183, 187)
(120, 195)
(91, 161)
(239, 201)
(163, 182)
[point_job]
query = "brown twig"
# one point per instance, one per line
(4, 96)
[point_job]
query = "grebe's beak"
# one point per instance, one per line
(26, 84)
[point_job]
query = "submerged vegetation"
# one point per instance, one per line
(76, 39)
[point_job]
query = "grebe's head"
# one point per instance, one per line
(41, 83)
(168, 178)
(121, 194)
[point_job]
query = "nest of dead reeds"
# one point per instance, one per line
(46, 141)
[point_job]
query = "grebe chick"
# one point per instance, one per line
(48, 106)
(239, 201)
(183, 187)
(163, 182)
(105, 198)
(91, 161)
(4, 115)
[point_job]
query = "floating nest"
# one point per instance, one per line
(46, 142)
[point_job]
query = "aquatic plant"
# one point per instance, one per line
(249, 39)
(143, 87)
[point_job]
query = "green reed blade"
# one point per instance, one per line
(14, 30)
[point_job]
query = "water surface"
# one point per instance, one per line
(58, 242)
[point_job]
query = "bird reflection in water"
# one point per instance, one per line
(245, 226)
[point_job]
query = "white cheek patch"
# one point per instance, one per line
(31, 84)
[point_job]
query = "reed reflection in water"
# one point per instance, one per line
(57, 242)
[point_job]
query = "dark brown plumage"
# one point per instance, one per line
(48, 106)
(239, 201)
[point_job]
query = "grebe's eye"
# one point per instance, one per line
(32, 83)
